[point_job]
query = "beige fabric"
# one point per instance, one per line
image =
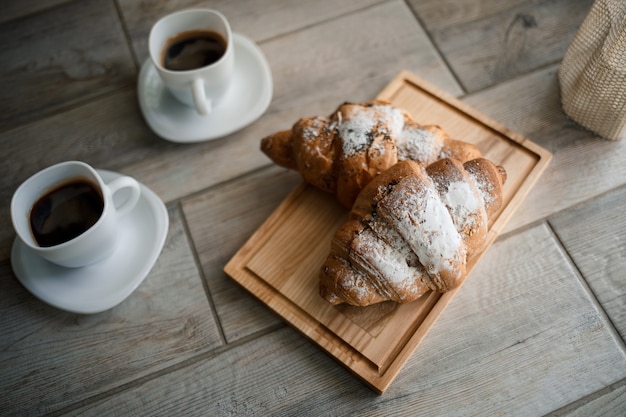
(592, 75)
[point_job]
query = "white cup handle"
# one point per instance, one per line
(203, 104)
(132, 189)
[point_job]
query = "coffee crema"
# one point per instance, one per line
(192, 49)
(65, 212)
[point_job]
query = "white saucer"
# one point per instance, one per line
(104, 285)
(247, 98)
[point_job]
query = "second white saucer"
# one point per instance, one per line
(103, 285)
(249, 95)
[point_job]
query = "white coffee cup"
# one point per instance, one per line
(119, 196)
(203, 87)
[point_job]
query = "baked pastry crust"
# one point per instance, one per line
(343, 152)
(412, 230)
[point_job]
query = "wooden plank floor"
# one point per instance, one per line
(538, 329)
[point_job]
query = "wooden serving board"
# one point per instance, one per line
(280, 263)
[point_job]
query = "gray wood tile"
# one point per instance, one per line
(485, 45)
(221, 220)
(50, 359)
(445, 13)
(608, 402)
(280, 374)
(76, 51)
(15, 9)
(594, 234)
(353, 58)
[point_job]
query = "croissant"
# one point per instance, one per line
(412, 230)
(342, 153)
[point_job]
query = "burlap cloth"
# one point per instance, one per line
(592, 75)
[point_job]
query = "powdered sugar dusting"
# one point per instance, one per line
(310, 133)
(314, 127)
(418, 144)
(486, 188)
(358, 126)
(464, 205)
(381, 257)
(394, 276)
(316, 139)
(387, 233)
(423, 221)
(355, 284)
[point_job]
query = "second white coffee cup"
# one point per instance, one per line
(204, 86)
(99, 240)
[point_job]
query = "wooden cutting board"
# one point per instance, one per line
(280, 263)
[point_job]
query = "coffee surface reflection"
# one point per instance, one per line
(67, 211)
(192, 50)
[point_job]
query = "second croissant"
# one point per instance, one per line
(412, 230)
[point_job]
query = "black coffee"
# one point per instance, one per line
(65, 212)
(193, 49)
